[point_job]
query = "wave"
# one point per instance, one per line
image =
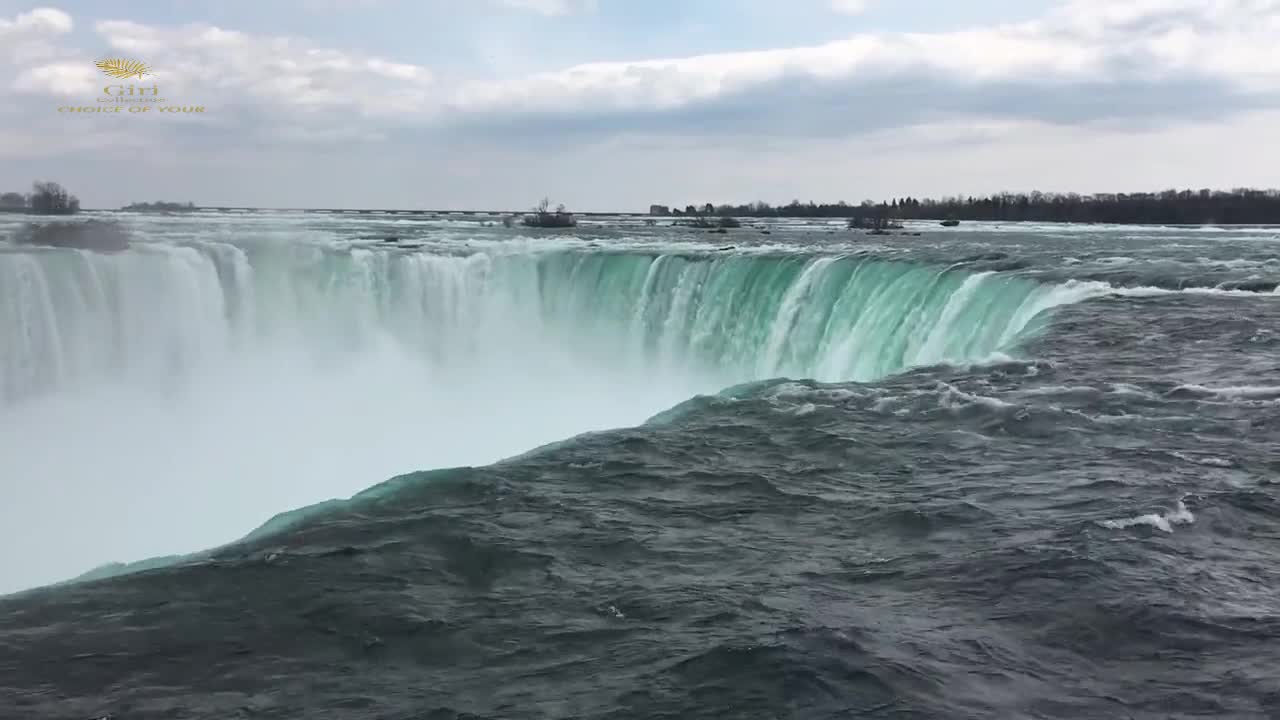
(1099, 288)
(1164, 521)
(1220, 291)
(1239, 392)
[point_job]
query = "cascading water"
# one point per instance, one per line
(173, 396)
(164, 312)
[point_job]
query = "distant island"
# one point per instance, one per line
(543, 217)
(45, 198)
(1170, 207)
(161, 206)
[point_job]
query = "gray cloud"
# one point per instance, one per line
(817, 108)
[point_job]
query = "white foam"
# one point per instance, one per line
(1234, 392)
(1060, 390)
(1239, 263)
(1117, 260)
(796, 391)
(1158, 292)
(1127, 389)
(1208, 461)
(1162, 522)
(954, 397)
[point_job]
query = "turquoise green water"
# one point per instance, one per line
(165, 310)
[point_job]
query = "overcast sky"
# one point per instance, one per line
(616, 104)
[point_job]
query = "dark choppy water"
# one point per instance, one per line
(1086, 528)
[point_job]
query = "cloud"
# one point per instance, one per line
(549, 8)
(217, 67)
(1088, 61)
(1229, 40)
(30, 37)
(259, 91)
(67, 79)
(850, 7)
(38, 21)
(230, 69)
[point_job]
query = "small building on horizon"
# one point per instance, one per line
(659, 210)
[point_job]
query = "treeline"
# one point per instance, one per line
(1171, 207)
(46, 198)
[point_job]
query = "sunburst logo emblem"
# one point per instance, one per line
(123, 69)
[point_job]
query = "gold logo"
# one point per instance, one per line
(122, 69)
(131, 98)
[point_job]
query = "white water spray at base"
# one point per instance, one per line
(115, 473)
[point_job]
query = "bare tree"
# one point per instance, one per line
(51, 198)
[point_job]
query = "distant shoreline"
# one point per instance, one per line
(665, 219)
(503, 213)
(1204, 207)
(1238, 207)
